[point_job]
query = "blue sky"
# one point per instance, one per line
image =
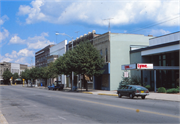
(28, 26)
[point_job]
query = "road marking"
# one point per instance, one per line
(2, 119)
(62, 118)
(157, 113)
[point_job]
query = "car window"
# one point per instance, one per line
(130, 87)
(126, 87)
(140, 88)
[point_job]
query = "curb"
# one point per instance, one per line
(3, 119)
(88, 92)
(107, 94)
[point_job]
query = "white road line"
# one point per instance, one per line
(62, 118)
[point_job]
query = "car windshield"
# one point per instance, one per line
(140, 88)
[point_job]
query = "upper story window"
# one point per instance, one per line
(106, 55)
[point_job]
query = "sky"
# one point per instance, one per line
(28, 26)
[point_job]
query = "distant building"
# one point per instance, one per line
(12, 67)
(41, 56)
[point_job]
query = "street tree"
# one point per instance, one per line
(87, 60)
(52, 71)
(44, 74)
(6, 76)
(26, 75)
(34, 74)
(15, 76)
(65, 65)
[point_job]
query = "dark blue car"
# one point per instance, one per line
(56, 86)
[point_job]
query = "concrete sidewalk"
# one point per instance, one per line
(152, 95)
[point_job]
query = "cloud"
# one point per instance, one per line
(5, 59)
(12, 55)
(3, 19)
(21, 60)
(16, 40)
(94, 12)
(38, 42)
(25, 52)
(18, 57)
(159, 32)
(4, 34)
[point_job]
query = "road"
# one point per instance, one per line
(22, 105)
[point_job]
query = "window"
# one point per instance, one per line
(106, 55)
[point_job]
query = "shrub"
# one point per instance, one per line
(148, 87)
(173, 90)
(161, 90)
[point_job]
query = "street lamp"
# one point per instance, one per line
(72, 48)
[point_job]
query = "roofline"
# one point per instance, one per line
(164, 35)
(45, 47)
(156, 46)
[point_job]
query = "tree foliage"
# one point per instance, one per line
(87, 60)
(26, 75)
(15, 76)
(6, 76)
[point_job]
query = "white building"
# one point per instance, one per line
(55, 52)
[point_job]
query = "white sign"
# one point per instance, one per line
(125, 74)
(128, 67)
(144, 66)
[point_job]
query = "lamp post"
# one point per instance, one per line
(72, 49)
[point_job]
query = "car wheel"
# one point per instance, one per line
(119, 95)
(131, 96)
(143, 97)
(48, 88)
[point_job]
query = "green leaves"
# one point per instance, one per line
(6, 76)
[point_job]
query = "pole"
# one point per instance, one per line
(72, 71)
(154, 80)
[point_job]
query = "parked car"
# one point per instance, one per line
(132, 90)
(57, 85)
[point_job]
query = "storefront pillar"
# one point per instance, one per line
(154, 80)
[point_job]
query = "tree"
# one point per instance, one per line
(6, 76)
(87, 60)
(15, 76)
(34, 74)
(44, 74)
(64, 65)
(26, 75)
(52, 71)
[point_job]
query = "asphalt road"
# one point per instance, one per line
(22, 105)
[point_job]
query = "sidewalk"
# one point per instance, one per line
(152, 95)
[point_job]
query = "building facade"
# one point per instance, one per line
(163, 53)
(55, 52)
(114, 48)
(12, 67)
(41, 56)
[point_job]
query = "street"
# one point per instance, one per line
(23, 105)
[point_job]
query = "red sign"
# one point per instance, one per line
(144, 66)
(128, 67)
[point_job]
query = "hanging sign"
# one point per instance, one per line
(128, 67)
(144, 66)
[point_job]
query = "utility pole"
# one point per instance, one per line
(77, 33)
(109, 23)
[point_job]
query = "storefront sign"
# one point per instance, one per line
(128, 67)
(125, 74)
(144, 66)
